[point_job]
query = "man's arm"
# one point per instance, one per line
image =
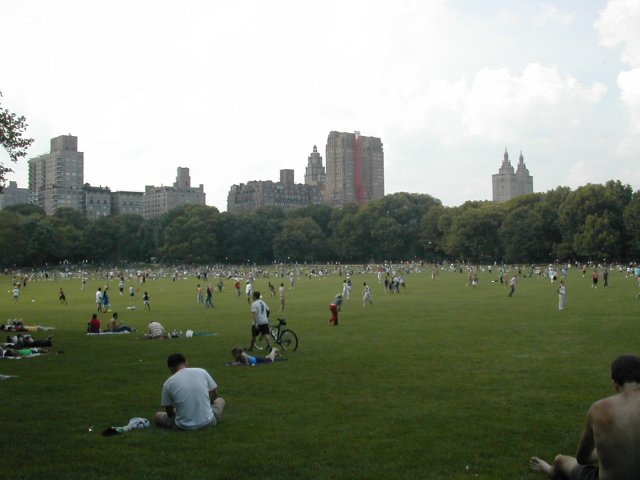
(171, 411)
(586, 447)
(213, 394)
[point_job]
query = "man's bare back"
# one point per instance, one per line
(616, 427)
(609, 447)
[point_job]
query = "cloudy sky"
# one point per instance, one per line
(238, 89)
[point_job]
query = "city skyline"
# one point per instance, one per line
(240, 90)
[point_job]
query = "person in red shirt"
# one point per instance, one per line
(94, 324)
(594, 277)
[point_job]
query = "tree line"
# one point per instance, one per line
(594, 222)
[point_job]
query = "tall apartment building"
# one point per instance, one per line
(97, 202)
(127, 203)
(13, 195)
(56, 179)
(315, 173)
(285, 194)
(159, 200)
(508, 183)
(355, 169)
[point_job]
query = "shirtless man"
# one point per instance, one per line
(612, 430)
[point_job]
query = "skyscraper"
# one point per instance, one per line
(56, 179)
(159, 200)
(315, 173)
(508, 184)
(355, 169)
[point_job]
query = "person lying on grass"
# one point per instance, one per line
(241, 357)
(608, 447)
(23, 352)
(27, 341)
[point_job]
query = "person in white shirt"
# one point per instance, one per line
(189, 396)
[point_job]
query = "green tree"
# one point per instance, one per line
(13, 251)
(632, 226)
(12, 139)
(474, 234)
(300, 240)
(190, 236)
(606, 204)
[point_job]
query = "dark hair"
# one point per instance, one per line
(175, 359)
(256, 295)
(626, 368)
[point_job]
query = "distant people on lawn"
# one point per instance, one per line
(242, 357)
(512, 285)
(146, 300)
(281, 294)
(22, 352)
(16, 293)
(155, 331)
(610, 441)
(27, 341)
(93, 326)
(116, 326)
(366, 296)
(189, 396)
(594, 279)
(62, 298)
(208, 301)
(562, 295)
(260, 312)
(335, 308)
(99, 299)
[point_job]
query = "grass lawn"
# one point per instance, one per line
(442, 381)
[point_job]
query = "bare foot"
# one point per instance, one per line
(538, 465)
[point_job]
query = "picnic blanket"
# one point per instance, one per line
(24, 356)
(106, 333)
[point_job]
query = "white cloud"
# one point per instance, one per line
(619, 26)
(629, 83)
(550, 15)
(496, 105)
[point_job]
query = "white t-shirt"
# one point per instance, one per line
(156, 329)
(259, 308)
(98, 296)
(188, 391)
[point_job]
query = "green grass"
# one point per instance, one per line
(420, 385)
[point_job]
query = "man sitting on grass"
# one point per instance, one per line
(608, 448)
(190, 397)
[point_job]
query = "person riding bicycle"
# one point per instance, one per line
(260, 311)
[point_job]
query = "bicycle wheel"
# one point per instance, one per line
(288, 340)
(260, 342)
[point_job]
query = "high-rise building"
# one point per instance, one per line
(159, 200)
(126, 203)
(56, 179)
(97, 202)
(355, 169)
(315, 173)
(285, 194)
(508, 183)
(13, 195)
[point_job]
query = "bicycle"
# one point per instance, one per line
(285, 338)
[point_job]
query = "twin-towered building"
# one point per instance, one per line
(508, 184)
(354, 174)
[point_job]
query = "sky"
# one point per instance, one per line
(237, 90)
